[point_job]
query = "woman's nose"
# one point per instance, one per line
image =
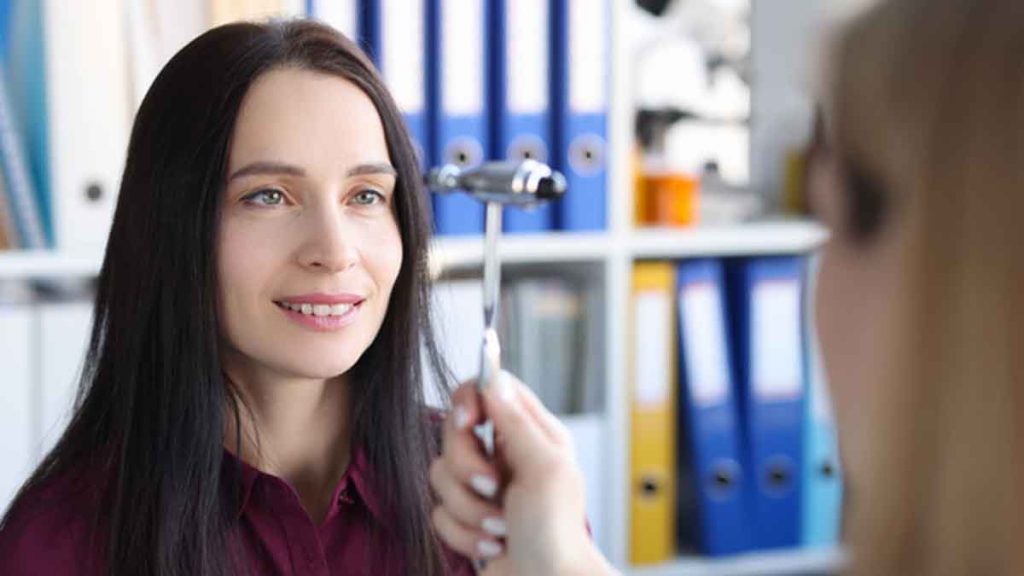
(329, 244)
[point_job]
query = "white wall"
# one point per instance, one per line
(789, 54)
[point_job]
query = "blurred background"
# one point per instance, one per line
(660, 309)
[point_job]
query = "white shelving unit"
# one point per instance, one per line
(752, 239)
(39, 264)
(614, 253)
(757, 564)
(626, 246)
(456, 253)
(522, 249)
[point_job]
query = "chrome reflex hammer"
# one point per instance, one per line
(496, 184)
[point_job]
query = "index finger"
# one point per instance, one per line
(466, 411)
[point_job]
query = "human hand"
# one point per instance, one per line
(532, 494)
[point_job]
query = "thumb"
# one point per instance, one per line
(522, 437)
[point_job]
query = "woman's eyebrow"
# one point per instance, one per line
(267, 167)
(379, 168)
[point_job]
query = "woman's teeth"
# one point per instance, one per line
(318, 309)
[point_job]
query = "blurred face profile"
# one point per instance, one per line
(308, 245)
(854, 309)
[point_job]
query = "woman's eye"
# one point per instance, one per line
(368, 197)
(265, 197)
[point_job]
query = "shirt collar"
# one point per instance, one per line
(358, 475)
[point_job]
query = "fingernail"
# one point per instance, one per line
(461, 417)
(488, 548)
(494, 526)
(506, 386)
(484, 485)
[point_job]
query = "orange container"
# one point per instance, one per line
(668, 199)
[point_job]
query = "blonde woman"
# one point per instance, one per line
(921, 311)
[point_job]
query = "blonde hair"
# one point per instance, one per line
(929, 105)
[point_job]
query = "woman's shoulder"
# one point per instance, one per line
(54, 527)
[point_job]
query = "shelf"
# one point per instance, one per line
(40, 264)
(746, 239)
(447, 253)
(782, 563)
(547, 248)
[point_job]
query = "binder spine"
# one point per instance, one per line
(714, 474)
(397, 41)
(773, 409)
(458, 102)
(18, 184)
(520, 81)
(580, 39)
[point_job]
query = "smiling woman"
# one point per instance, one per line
(252, 399)
(320, 217)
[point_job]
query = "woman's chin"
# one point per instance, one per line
(326, 372)
(309, 367)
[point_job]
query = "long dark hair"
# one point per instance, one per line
(150, 409)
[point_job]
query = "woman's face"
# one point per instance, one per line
(854, 308)
(308, 245)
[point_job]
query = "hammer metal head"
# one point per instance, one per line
(524, 183)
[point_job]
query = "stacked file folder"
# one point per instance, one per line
(64, 121)
(476, 80)
(733, 446)
(493, 80)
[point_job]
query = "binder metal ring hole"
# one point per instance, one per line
(723, 479)
(586, 154)
(778, 477)
(463, 152)
(527, 148)
(649, 487)
(94, 192)
(828, 470)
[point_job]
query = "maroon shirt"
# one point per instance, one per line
(279, 537)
